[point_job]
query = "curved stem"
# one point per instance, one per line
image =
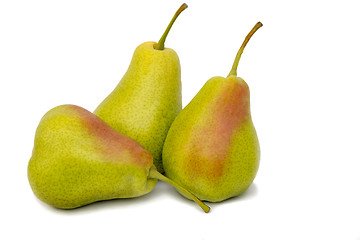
(238, 55)
(155, 174)
(160, 44)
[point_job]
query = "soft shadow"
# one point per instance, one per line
(166, 189)
(160, 191)
(163, 189)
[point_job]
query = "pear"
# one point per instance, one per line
(148, 98)
(78, 159)
(212, 147)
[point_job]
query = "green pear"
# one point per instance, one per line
(148, 98)
(212, 147)
(78, 159)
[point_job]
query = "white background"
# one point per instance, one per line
(302, 67)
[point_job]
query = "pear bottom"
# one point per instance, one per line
(69, 186)
(215, 179)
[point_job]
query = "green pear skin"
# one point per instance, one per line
(148, 97)
(78, 159)
(212, 148)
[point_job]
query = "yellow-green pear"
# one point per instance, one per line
(148, 98)
(212, 147)
(78, 159)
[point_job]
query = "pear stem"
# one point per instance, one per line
(155, 174)
(160, 44)
(238, 55)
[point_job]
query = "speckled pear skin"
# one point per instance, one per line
(212, 147)
(78, 159)
(147, 99)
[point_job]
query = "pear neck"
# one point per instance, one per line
(160, 44)
(233, 71)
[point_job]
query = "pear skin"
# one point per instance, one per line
(79, 159)
(212, 148)
(148, 98)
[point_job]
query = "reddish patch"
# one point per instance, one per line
(112, 143)
(209, 149)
